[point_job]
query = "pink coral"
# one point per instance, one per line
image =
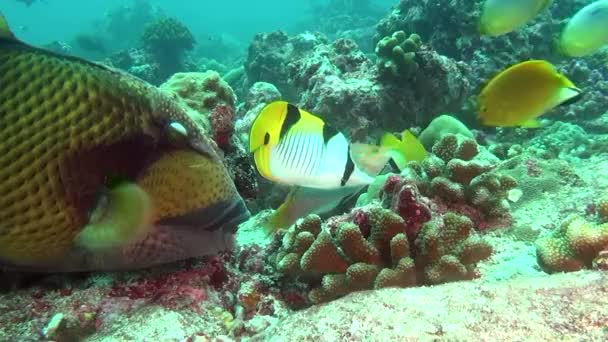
(222, 123)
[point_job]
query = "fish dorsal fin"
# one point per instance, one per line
(5, 30)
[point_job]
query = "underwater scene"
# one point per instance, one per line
(311, 170)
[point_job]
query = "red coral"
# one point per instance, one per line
(222, 122)
(409, 204)
(172, 290)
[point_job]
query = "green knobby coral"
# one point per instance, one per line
(167, 39)
(571, 247)
(397, 55)
(448, 249)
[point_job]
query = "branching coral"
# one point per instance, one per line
(348, 257)
(573, 246)
(397, 55)
(460, 176)
(370, 249)
(449, 248)
(167, 39)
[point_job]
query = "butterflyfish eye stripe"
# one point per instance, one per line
(348, 169)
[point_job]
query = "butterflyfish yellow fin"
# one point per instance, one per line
(414, 150)
(280, 218)
(126, 217)
(530, 124)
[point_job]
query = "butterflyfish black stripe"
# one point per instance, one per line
(291, 118)
(283, 149)
(328, 132)
(293, 149)
(303, 152)
(311, 156)
(348, 169)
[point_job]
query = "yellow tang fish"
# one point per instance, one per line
(520, 94)
(296, 148)
(100, 170)
(499, 17)
(587, 31)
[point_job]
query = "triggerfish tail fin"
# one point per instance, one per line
(125, 217)
(409, 148)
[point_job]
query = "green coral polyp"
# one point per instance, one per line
(397, 55)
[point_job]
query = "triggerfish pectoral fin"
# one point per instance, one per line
(127, 217)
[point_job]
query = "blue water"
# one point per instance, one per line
(50, 20)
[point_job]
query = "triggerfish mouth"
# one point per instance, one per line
(100, 171)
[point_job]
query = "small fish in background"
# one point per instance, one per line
(587, 31)
(295, 148)
(28, 3)
(101, 171)
(520, 94)
(499, 17)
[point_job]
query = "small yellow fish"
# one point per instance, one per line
(296, 148)
(499, 17)
(70, 128)
(520, 94)
(587, 31)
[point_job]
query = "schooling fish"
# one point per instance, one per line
(520, 94)
(587, 31)
(499, 17)
(296, 148)
(100, 170)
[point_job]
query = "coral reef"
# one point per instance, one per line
(340, 83)
(200, 94)
(167, 39)
(459, 176)
(450, 26)
(573, 246)
(370, 249)
(449, 250)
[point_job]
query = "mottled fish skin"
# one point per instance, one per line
(65, 126)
